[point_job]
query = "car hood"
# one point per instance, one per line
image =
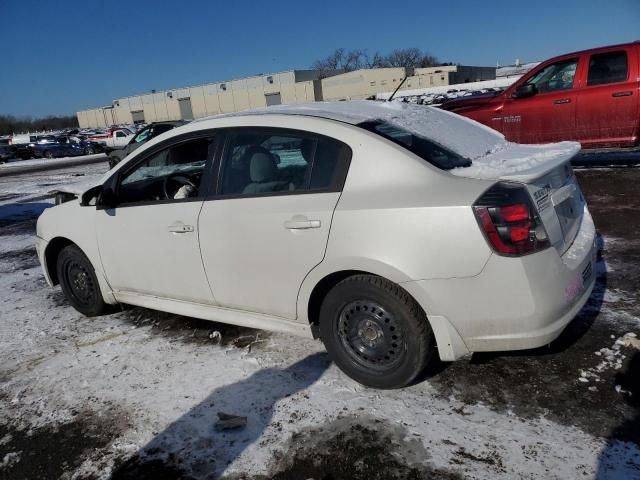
(77, 188)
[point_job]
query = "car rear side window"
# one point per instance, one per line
(610, 67)
(258, 162)
(432, 152)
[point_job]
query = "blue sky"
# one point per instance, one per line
(59, 57)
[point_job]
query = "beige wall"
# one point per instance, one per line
(210, 99)
(361, 84)
(245, 93)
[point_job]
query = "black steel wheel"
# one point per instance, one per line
(375, 332)
(79, 283)
(370, 334)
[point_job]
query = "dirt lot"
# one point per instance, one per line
(136, 394)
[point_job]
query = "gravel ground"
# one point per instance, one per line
(136, 394)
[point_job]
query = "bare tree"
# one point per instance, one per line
(410, 57)
(429, 61)
(377, 60)
(10, 124)
(349, 60)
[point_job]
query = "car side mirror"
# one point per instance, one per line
(90, 197)
(107, 198)
(524, 91)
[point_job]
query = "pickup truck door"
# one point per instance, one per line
(550, 114)
(607, 113)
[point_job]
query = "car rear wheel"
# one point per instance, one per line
(79, 282)
(89, 151)
(375, 332)
(47, 154)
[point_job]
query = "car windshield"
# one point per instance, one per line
(433, 153)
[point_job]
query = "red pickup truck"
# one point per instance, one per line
(591, 97)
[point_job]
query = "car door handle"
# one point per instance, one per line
(180, 228)
(301, 224)
(562, 100)
(622, 94)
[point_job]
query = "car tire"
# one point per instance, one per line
(47, 154)
(79, 282)
(89, 151)
(375, 332)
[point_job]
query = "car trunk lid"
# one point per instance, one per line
(546, 171)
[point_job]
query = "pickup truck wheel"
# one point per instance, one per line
(375, 332)
(47, 154)
(79, 282)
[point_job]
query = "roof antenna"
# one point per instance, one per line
(408, 72)
(397, 88)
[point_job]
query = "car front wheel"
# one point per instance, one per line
(375, 332)
(79, 283)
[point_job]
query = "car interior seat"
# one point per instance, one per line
(263, 173)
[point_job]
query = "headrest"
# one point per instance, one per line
(263, 168)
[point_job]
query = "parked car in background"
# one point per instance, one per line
(113, 137)
(62, 146)
(22, 144)
(592, 97)
(54, 147)
(6, 153)
(384, 229)
(147, 133)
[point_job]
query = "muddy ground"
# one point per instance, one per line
(584, 382)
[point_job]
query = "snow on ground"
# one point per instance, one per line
(136, 394)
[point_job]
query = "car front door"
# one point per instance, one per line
(149, 241)
(550, 114)
(268, 224)
(607, 113)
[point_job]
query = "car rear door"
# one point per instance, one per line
(268, 224)
(607, 111)
(550, 114)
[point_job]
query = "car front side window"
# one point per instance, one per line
(557, 76)
(143, 135)
(173, 173)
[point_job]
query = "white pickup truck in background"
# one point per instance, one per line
(113, 137)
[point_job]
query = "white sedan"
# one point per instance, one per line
(389, 231)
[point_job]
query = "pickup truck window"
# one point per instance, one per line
(557, 76)
(607, 67)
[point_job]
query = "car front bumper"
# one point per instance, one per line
(41, 245)
(514, 303)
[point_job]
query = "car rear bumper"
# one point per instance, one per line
(514, 303)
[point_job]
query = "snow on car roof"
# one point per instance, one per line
(465, 137)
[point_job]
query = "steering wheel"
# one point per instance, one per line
(176, 177)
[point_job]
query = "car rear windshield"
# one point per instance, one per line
(433, 153)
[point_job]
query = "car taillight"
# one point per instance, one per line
(511, 224)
